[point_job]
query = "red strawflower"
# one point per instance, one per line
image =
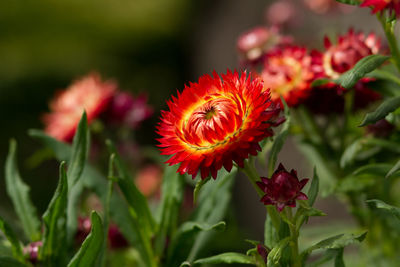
(289, 71)
(214, 122)
(337, 59)
(282, 189)
(88, 93)
(380, 5)
(381, 128)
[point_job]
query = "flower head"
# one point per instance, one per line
(282, 189)
(289, 71)
(348, 50)
(214, 122)
(88, 93)
(31, 251)
(381, 5)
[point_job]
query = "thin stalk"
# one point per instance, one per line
(388, 28)
(253, 177)
(294, 234)
(348, 107)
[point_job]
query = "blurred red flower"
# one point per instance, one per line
(214, 122)
(282, 189)
(88, 93)
(289, 71)
(380, 5)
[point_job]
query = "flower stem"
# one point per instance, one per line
(253, 177)
(294, 234)
(388, 27)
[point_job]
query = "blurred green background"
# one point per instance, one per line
(152, 46)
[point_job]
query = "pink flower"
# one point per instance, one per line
(32, 251)
(88, 93)
(282, 189)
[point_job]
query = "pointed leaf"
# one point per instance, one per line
(314, 188)
(61, 150)
(171, 200)
(275, 254)
(378, 169)
(197, 188)
(228, 258)
(320, 82)
(350, 2)
(382, 205)
(54, 219)
(12, 238)
(362, 67)
(394, 169)
(18, 191)
(387, 106)
(80, 151)
(91, 247)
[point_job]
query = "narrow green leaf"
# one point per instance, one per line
(185, 264)
(91, 247)
(377, 169)
(362, 67)
(171, 200)
(133, 196)
(18, 191)
(197, 188)
(54, 219)
(270, 235)
(6, 261)
(327, 256)
(314, 188)
(350, 153)
(275, 254)
(229, 258)
(61, 150)
(12, 238)
(80, 151)
(382, 205)
(320, 82)
(339, 258)
(279, 140)
(394, 169)
(350, 2)
(387, 106)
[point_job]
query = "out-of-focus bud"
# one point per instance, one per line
(115, 238)
(381, 128)
(282, 13)
(31, 251)
(263, 251)
(325, 6)
(253, 42)
(83, 229)
(129, 110)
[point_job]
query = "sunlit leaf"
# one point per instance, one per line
(12, 238)
(382, 205)
(228, 258)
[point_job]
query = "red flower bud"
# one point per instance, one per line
(31, 251)
(282, 189)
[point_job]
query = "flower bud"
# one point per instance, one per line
(31, 251)
(282, 189)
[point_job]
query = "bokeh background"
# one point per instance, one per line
(152, 46)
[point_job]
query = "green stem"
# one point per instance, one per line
(253, 177)
(388, 27)
(294, 234)
(348, 107)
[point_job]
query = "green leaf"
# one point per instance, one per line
(362, 67)
(279, 140)
(91, 247)
(327, 256)
(350, 153)
(320, 82)
(314, 188)
(197, 188)
(229, 258)
(54, 219)
(6, 261)
(275, 254)
(12, 238)
(350, 2)
(61, 150)
(394, 169)
(382, 205)
(214, 199)
(339, 258)
(133, 196)
(270, 235)
(80, 151)
(171, 200)
(337, 242)
(18, 191)
(377, 169)
(387, 106)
